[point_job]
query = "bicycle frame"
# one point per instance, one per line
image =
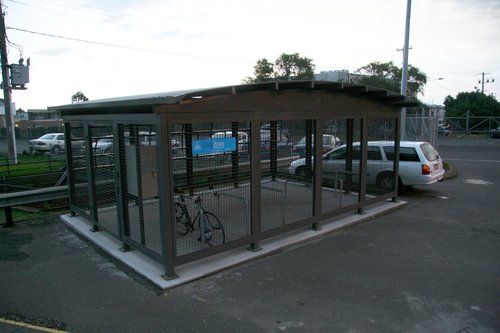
(208, 224)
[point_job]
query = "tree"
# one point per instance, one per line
(476, 102)
(263, 71)
(78, 97)
(286, 67)
(388, 76)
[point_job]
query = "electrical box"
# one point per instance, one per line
(19, 75)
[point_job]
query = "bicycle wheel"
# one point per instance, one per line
(211, 229)
(182, 219)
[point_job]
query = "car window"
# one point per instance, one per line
(47, 137)
(429, 152)
(374, 153)
(60, 137)
(338, 154)
(406, 154)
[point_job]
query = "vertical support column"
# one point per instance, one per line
(363, 164)
(235, 154)
(136, 140)
(397, 149)
(69, 167)
(9, 221)
(189, 157)
(308, 149)
(273, 149)
(255, 186)
(121, 188)
(349, 154)
(166, 198)
(317, 173)
(91, 170)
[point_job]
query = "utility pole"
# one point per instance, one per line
(11, 141)
(404, 76)
(482, 81)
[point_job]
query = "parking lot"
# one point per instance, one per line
(431, 266)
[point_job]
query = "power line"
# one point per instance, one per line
(125, 46)
(55, 11)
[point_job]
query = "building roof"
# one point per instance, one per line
(145, 103)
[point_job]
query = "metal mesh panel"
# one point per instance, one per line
(211, 161)
(338, 170)
(340, 182)
(380, 170)
(78, 167)
(286, 172)
(102, 168)
(139, 184)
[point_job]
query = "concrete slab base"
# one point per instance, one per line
(153, 271)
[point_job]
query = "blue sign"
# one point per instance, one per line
(214, 146)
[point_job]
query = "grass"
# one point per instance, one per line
(21, 215)
(31, 164)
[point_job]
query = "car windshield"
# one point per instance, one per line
(47, 137)
(106, 140)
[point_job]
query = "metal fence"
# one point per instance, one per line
(116, 179)
(425, 125)
(469, 124)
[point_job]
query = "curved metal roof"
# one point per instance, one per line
(146, 102)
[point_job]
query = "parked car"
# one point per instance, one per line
(105, 144)
(495, 133)
(329, 142)
(419, 164)
(50, 142)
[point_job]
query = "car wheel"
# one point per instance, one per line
(301, 172)
(56, 150)
(385, 181)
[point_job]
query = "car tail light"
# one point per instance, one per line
(426, 169)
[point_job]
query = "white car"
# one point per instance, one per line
(419, 164)
(104, 145)
(50, 142)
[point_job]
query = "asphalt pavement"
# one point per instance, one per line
(432, 266)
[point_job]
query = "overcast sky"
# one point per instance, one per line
(149, 46)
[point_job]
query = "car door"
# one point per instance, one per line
(59, 141)
(335, 164)
(375, 164)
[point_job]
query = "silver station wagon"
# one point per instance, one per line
(419, 164)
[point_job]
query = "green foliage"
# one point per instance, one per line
(388, 76)
(78, 97)
(286, 67)
(476, 102)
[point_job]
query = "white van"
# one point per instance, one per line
(419, 164)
